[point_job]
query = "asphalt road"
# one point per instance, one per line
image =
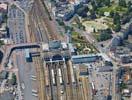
(26, 70)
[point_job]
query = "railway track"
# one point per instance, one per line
(46, 24)
(40, 78)
(42, 22)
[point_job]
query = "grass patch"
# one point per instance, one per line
(77, 38)
(114, 8)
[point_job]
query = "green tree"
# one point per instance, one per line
(13, 80)
(94, 6)
(104, 36)
(99, 3)
(116, 18)
(107, 2)
(123, 86)
(112, 14)
(82, 11)
(108, 30)
(129, 6)
(101, 13)
(122, 3)
(1, 43)
(93, 14)
(94, 30)
(117, 28)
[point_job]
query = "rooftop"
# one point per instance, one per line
(3, 6)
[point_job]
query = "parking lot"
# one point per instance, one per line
(27, 78)
(16, 25)
(101, 81)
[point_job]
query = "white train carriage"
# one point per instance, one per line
(60, 76)
(53, 76)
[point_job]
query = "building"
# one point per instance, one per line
(69, 15)
(106, 69)
(1, 18)
(3, 7)
(85, 58)
(45, 47)
(83, 70)
(28, 55)
(75, 2)
(56, 50)
(72, 49)
(126, 30)
(126, 59)
(54, 45)
(117, 41)
(3, 75)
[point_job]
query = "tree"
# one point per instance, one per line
(99, 2)
(112, 14)
(125, 19)
(68, 28)
(129, 6)
(107, 2)
(60, 22)
(82, 11)
(108, 30)
(101, 13)
(104, 36)
(93, 5)
(94, 30)
(1, 56)
(116, 18)
(123, 86)
(13, 80)
(93, 14)
(117, 28)
(122, 3)
(1, 43)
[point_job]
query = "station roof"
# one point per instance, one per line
(45, 47)
(84, 56)
(55, 44)
(27, 53)
(71, 47)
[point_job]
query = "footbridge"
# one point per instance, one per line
(11, 48)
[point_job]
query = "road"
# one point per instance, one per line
(9, 50)
(26, 70)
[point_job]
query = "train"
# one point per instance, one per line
(72, 74)
(60, 76)
(94, 91)
(53, 76)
